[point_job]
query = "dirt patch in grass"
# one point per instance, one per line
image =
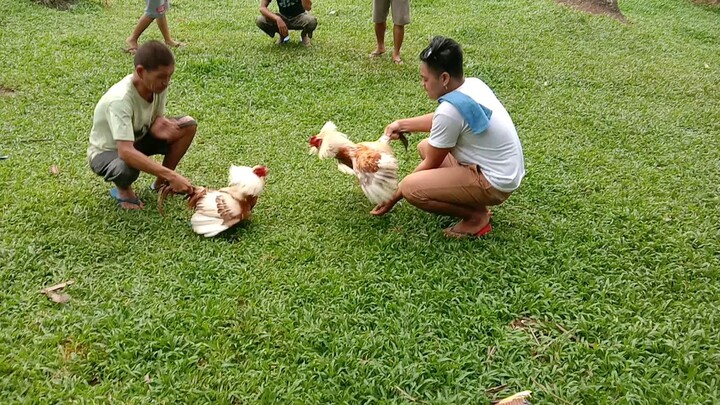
(599, 7)
(56, 4)
(70, 349)
(6, 91)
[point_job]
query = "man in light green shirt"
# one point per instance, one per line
(129, 125)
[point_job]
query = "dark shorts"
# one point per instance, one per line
(109, 166)
(304, 22)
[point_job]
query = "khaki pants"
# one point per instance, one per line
(451, 183)
(400, 11)
(304, 22)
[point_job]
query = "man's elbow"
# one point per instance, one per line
(125, 153)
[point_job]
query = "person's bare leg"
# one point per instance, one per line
(472, 218)
(177, 150)
(141, 26)
(380, 38)
(398, 37)
(165, 31)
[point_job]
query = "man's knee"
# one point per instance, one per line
(265, 25)
(310, 22)
(422, 147)
(411, 188)
(189, 132)
(190, 126)
(187, 121)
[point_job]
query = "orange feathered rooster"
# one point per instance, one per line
(373, 163)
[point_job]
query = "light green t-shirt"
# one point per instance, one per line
(122, 115)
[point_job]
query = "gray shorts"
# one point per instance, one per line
(400, 11)
(110, 167)
(156, 8)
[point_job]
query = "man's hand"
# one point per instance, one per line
(180, 184)
(165, 129)
(382, 209)
(307, 4)
(393, 130)
(282, 27)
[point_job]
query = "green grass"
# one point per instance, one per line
(613, 234)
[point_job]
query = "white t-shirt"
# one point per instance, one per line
(123, 115)
(497, 151)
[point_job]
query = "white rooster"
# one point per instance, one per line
(219, 210)
(373, 163)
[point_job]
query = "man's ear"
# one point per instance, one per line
(445, 78)
(140, 70)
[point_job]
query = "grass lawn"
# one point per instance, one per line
(599, 284)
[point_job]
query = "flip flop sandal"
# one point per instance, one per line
(461, 235)
(114, 194)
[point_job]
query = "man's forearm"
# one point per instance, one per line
(422, 166)
(422, 123)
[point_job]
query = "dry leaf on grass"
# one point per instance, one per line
(521, 398)
(58, 298)
(54, 170)
(57, 287)
(147, 378)
(523, 323)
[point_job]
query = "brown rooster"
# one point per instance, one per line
(219, 210)
(373, 163)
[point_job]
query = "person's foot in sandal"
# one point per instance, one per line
(474, 227)
(396, 59)
(377, 53)
(174, 44)
(126, 198)
(132, 46)
(305, 40)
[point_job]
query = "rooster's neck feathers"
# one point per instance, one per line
(332, 143)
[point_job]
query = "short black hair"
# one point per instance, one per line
(153, 54)
(444, 55)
